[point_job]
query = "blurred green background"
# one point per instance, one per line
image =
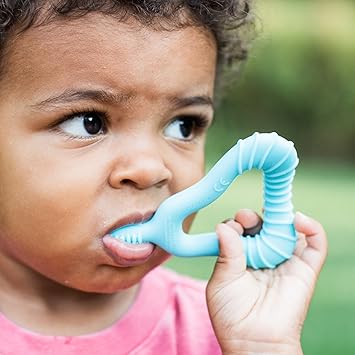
(300, 82)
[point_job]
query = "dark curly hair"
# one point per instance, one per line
(230, 21)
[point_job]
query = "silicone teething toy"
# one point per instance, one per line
(275, 243)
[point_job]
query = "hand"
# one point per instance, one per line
(262, 311)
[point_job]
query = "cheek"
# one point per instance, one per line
(188, 171)
(188, 222)
(46, 214)
(45, 195)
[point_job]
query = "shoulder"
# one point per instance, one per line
(183, 295)
(177, 279)
(175, 283)
(184, 315)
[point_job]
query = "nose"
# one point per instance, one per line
(141, 166)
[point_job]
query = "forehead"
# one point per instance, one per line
(99, 50)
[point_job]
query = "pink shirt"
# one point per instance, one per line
(169, 316)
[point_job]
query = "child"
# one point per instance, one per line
(104, 108)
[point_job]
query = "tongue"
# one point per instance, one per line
(123, 252)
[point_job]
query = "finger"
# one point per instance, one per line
(317, 246)
(301, 244)
(234, 225)
(250, 221)
(231, 261)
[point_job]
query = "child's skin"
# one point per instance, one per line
(61, 193)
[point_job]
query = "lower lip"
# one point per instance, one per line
(126, 254)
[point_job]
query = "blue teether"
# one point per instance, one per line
(275, 243)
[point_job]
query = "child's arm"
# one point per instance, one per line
(262, 311)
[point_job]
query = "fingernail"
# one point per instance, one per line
(227, 229)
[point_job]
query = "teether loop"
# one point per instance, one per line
(269, 152)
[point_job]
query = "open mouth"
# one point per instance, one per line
(132, 218)
(127, 254)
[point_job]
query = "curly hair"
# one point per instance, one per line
(230, 21)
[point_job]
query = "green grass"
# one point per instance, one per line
(326, 192)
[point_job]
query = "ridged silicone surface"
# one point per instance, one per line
(275, 243)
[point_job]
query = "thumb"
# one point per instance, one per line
(232, 291)
(231, 262)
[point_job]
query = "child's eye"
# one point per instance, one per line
(83, 125)
(185, 127)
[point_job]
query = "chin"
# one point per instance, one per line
(112, 279)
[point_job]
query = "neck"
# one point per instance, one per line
(46, 307)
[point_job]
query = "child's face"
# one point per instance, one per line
(131, 143)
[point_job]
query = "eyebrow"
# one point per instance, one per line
(203, 100)
(107, 97)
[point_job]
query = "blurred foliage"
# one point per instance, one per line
(299, 81)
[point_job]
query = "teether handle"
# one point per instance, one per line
(277, 158)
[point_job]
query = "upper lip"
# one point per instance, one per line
(135, 217)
